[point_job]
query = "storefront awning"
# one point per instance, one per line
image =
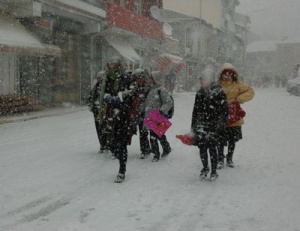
(123, 47)
(14, 38)
(168, 61)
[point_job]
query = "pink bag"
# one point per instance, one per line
(157, 122)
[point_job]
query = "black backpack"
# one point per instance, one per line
(171, 111)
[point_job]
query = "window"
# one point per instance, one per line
(188, 38)
(138, 6)
(123, 3)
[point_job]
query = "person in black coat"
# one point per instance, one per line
(208, 120)
(93, 104)
(118, 100)
(137, 112)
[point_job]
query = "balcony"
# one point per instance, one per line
(128, 20)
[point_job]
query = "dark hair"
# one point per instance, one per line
(234, 77)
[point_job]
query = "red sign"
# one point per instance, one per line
(133, 22)
(45, 23)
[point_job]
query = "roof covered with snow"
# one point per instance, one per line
(84, 6)
(262, 46)
(292, 40)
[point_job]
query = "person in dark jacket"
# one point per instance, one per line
(137, 112)
(93, 102)
(117, 103)
(208, 121)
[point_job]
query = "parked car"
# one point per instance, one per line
(293, 86)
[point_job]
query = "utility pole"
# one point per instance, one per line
(200, 21)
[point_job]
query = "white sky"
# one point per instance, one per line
(53, 178)
(273, 18)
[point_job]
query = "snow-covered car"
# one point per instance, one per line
(293, 86)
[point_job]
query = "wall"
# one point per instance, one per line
(211, 10)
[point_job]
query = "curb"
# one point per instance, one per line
(41, 114)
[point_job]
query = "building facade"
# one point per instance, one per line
(72, 41)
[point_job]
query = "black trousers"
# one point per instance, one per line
(231, 148)
(99, 129)
(119, 149)
(204, 148)
(144, 141)
(154, 143)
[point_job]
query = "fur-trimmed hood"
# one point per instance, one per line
(228, 66)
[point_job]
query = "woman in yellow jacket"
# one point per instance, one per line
(236, 92)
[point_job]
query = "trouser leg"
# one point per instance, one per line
(165, 144)
(231, 147)
(220, 154)
(154, 144)
(144, 141)
(98, 128)
(122, 156)
(213, 158)
(203, 156)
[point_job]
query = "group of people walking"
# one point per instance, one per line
(121, 100)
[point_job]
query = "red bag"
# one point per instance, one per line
(186, 139)
(235, 113)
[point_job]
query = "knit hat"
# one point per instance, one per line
(140, 73)
(100, 74)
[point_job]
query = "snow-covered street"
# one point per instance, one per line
(53, 178)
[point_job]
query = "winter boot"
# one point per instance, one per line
(229, 161)
(155, 158)
(204, 172)
(103, 149)
(165, 145)
(166, 153)
(120, 178)
(213, 176)
(230, 164)
(220, 162)
(145, 154)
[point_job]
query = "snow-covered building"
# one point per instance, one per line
(288, 52)
(272, 60)
(261, 61)
(72, 40)
(63, 69)
(220, 14)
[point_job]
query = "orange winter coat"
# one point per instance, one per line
(236, 91)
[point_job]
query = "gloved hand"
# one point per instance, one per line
(162, 113)
(126, 92)
(108, 98)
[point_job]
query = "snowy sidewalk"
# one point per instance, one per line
(44, 113)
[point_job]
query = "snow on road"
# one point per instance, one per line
(52, 177)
